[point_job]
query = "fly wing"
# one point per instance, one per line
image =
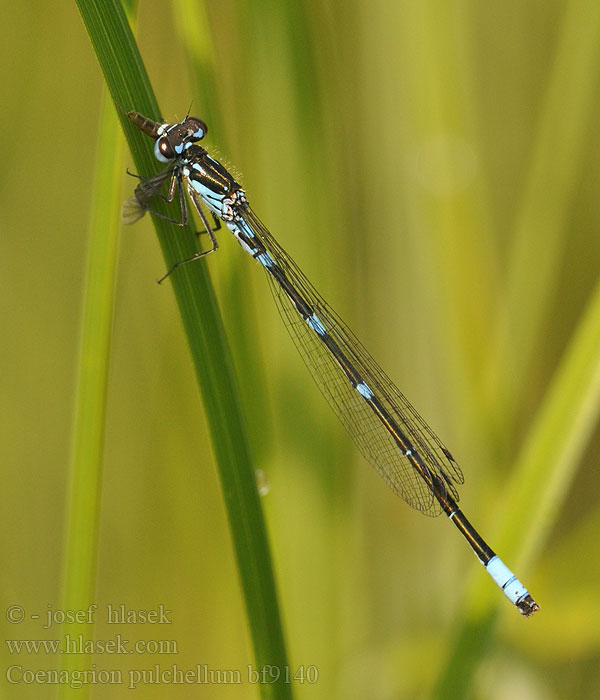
(138, 204)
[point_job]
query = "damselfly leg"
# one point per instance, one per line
(207, 229)
(148, 188)
(135, 208)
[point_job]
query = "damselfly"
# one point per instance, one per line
(382, 423)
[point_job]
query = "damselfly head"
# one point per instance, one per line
(174, 139)
(171, 139)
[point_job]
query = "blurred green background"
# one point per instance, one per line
(443, 156)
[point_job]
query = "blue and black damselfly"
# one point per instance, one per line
(382, 423)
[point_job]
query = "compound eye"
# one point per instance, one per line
(163, 150)
(197, 128)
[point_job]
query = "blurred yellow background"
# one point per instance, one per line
(432, 167)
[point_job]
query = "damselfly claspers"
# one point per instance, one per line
(382, 423)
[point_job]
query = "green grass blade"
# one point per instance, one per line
(541, 237)
(128, 83)
(547, 464)
(89, 424)
(536, 493)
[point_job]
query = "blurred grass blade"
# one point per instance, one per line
(535, 495)
(194, 33)
(540, 235)
(128, 82)
(81, 538)
(547, 464)
(448, 202)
